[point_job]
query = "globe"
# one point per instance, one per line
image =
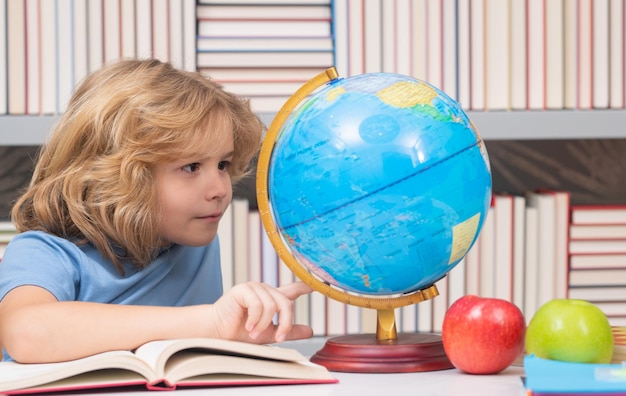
(377, 184)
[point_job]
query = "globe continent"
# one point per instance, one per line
(379, 184)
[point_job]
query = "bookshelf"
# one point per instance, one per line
(30, 130)
(370, 37)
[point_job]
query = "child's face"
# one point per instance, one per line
(193, 194)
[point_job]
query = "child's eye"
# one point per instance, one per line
(191, 168)
(223, 165)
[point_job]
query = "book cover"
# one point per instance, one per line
(546, 248)
(570, 55)
(419, 40)
(598, 293)
(519, 250)
(554, 55)
(225, 11)
(80, 41)
(372, 36)
(112, 30)
(584, 56)
(262, 59)
(463, 55)
(531, 262)
(619, 343)
(160, 30)
(477, 55)
(225, 233)
(241, 260)
(615, 246)
(517, 55)
(562, 206)
(299, 44)
(585, 261)
(3, 58)
(264, 28)
(598, 277)
(472, 268)
(598, 214)
(440, 303)
(167, 365)
(176, 32)
(127, 17)
(601, 62)
(33, 62)
(556, 378)
(189, 34)
(599, 231)
(449, 59)
(497, 49)
(16, 56)
(403, 33)
(616, 54)
(341, 36)
(536, 55)
(355, 50)
(143, 28)
(254, 245)
(65, 50)
(95, 33)
(503, 246)
(486, 259)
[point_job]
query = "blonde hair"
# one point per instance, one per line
(93, 180)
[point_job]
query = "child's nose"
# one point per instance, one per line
(218, 187)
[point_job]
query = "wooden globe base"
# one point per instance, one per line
(364, 353)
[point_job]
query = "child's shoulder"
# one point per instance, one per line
(40, 238)
(39, 242)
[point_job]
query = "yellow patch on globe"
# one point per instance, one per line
(462, 236)
(333, 94)
(407, 94)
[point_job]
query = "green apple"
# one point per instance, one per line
(570, 330)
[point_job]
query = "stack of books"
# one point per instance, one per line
(597, 260)
(264, 52)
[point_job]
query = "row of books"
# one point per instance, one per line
(487, 54)
(47, 47)
(532, 248)
(528, 252)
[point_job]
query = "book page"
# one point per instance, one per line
(195, 367)
(18, 376)
(156, 353)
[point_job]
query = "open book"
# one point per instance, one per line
(168, 364)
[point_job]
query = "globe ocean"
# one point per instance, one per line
(379, 184)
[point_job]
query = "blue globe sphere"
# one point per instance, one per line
(379, 184)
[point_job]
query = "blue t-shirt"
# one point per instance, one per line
(180, 275)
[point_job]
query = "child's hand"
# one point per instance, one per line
(245, 313)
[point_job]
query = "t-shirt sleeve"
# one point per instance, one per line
(39, 259)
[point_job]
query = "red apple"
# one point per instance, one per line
(483, 335)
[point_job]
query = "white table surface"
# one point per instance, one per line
(441, 383)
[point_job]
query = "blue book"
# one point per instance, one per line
(552, 377)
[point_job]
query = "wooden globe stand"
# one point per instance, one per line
(383, 352)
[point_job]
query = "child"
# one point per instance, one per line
(118, 228)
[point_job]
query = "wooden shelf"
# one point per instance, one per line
(492, 125)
